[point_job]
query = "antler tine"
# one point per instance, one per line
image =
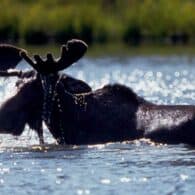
(63, 53)
(63, 61)
(50, 58)
(25, 56)
(63, 50)
(38, 59)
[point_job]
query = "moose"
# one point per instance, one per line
(75, 114)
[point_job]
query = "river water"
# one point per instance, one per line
(138, 167)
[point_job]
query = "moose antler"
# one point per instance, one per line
(70, 53)
(9, 56)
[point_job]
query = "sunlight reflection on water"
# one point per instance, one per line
(116, 168)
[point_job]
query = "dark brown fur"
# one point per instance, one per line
(116, 113)
(25, 107)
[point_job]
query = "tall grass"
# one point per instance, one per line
(97, 21)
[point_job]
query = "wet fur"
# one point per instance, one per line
(116, 113)
(25, 107)
(81, 116)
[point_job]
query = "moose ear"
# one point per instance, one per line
(9, 56)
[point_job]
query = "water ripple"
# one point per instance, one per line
(135, 167)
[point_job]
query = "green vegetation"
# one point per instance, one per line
(97, 21)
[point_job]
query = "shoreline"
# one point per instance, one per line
(119, 49)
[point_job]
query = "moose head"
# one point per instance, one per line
(33, 101)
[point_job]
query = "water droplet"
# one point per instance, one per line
(177, 74)
(184, 177)
(79, 192)
(58, 182)
(125, 179)
(159, 74)
(185, 72)
(144, 179)
(87, 191)
(59, 169)
(105, 181)
(1, 181)
(42, 170)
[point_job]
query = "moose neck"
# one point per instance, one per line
(49, 83)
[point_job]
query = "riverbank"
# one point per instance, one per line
(124, 168)
(99, 21)
(117, 49)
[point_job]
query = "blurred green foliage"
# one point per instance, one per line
(97, 21)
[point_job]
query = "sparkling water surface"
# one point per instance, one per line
(138, 167)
